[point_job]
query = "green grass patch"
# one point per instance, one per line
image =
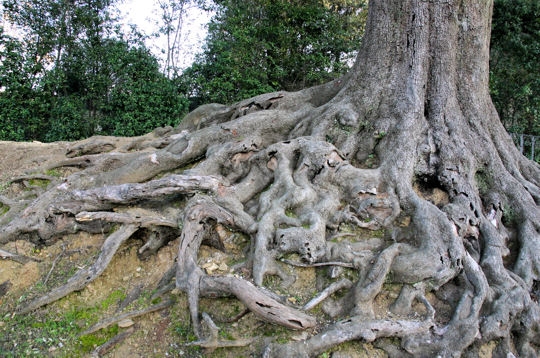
(379, 233)
(90, 342)
(4, 186)
(3, 209)
(182, 329)
(41, 183)
(53, 173)
(56, 330)
(113, 298)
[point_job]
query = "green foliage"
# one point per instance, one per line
(515, 68)
(259, 46)
(73, 74)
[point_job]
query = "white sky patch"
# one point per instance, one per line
(146, 15)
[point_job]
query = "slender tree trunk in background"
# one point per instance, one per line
(172, 15)
(409, 143)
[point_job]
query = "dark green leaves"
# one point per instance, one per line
(515, 65)
(73, 74)
(257, 46)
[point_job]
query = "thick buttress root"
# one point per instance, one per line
(355, 328)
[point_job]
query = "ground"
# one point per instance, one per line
(129, 284)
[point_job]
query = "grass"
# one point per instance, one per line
(379, 233)
(53, 173)
(91, 341)
(54, 329)
(4, 186)
(41, 183)
(3, 209)
(181, 329)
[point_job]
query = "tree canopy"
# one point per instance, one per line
(515, 69)
(72, 74)
(257, 46)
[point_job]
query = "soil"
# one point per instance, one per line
(159, 334)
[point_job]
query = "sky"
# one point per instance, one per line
(145, 13)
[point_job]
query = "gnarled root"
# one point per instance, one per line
(354, 328)
(191, 279)
(212, 341)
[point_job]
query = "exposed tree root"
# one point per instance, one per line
(327, 292)
(109, 345)
(15, 257)
(354, 328)
(128, 315)
(212, 340)
(84, 276)
(191, 278)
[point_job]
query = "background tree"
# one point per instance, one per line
(515, 69)
(74, 74)
(19, 107)
(258, 46)
(172, 15)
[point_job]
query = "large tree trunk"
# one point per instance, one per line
(408, 142)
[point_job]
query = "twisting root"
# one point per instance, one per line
(275, 177)
(327, 292)
(82, 278)
(191, 279)
(354, 328)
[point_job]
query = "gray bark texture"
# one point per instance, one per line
(409, 143)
